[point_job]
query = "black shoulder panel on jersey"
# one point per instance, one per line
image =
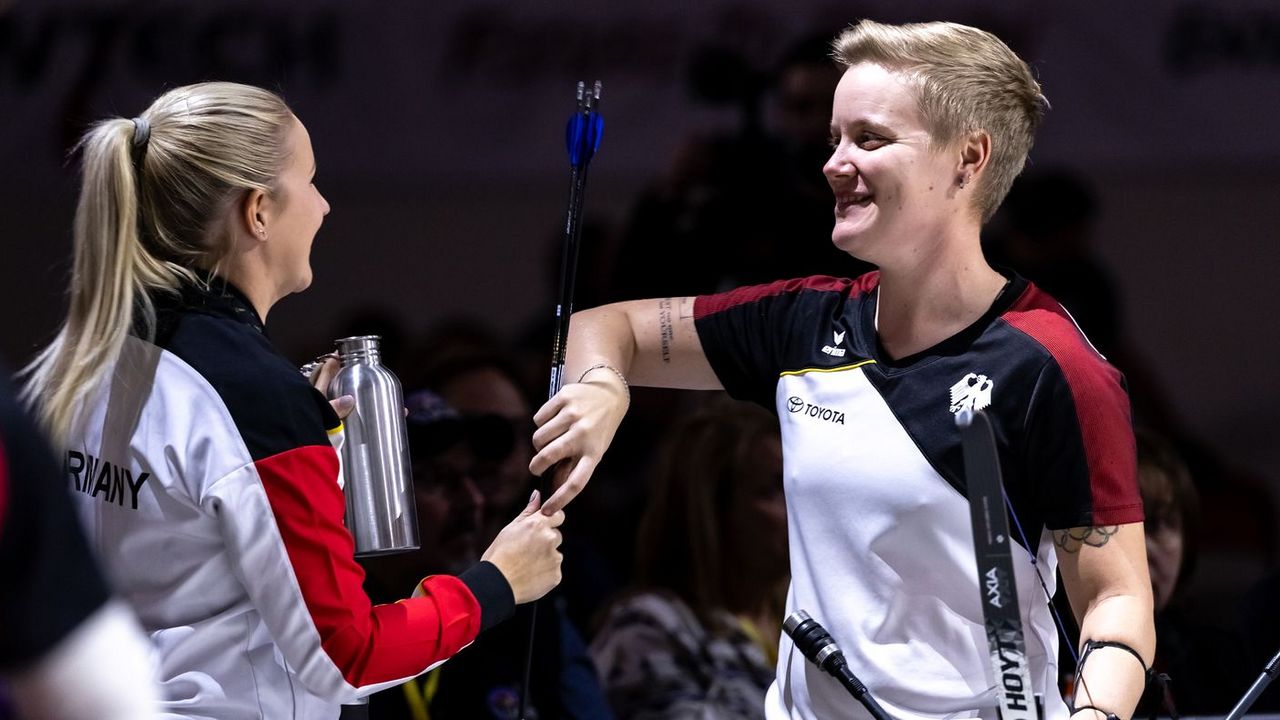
(750, 335)
(1055, 444)
(272, 404)
(1009, 366)
(1033, 417)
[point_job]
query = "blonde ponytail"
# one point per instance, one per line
(103, 280)
(152, 227)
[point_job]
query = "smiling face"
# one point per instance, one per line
(297, 210)
(893, 190)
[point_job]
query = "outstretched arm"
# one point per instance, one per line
(645, 342)
(653, 342)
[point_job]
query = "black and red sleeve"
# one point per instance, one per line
(1080, 448)
(749, 334)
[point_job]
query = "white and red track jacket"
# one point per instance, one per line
(208, 481)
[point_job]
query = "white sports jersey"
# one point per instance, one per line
(881, 543)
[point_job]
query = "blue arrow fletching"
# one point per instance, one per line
(574, 134)
(582, 137)
(595, 132)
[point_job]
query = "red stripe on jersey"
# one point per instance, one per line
(1101, 404)
(704, 305)
(368, 643)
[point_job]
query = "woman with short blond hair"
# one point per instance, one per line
(930, 124)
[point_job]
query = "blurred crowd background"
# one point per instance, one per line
(1149, 209)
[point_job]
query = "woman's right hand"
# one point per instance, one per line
(527, 553)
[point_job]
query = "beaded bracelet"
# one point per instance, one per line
(626, 386)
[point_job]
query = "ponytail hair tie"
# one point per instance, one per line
(141, 135)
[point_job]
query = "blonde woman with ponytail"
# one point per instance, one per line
(202, 463)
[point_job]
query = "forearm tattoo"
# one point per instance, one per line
(1072, 539)
(666, 328)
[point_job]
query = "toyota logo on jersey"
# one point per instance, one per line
(798, 406)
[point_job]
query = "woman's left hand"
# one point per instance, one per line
(574, 429)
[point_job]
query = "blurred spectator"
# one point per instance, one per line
(1210, 657)
(802, 89)
(1172, 520)
(698, 635)
(482, 385)
(67, 651)
(451, 453)
(1188, 649)
(744, 208)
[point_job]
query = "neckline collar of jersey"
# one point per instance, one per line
(218, 296)
(1007, 296)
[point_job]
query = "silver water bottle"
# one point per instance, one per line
(381, 513)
